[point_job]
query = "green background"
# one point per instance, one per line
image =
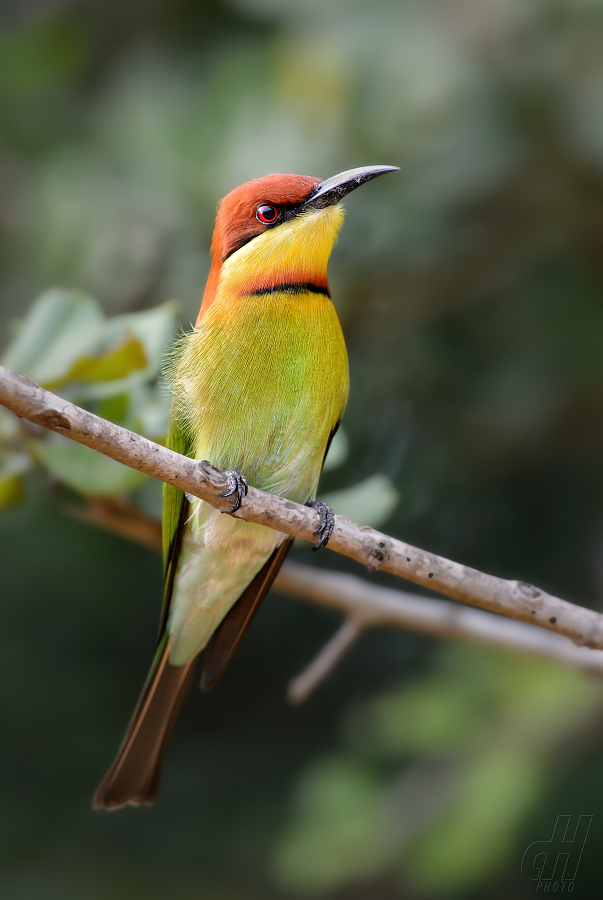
(470, 290)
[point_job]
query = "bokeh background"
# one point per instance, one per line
(470, 288)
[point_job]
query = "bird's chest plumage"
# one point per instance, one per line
(260, 385)
(259, 389)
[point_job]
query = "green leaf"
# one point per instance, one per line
(151, 412)
(85, 470)
(116, 362)
(115, 408)
(65, 337)
(370, 502)
(61, 327)
(154, 329)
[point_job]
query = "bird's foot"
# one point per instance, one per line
(326, 525)
(237, 483)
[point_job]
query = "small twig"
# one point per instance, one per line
(371, 548)
(323, 664)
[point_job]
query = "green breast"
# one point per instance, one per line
(261, 384)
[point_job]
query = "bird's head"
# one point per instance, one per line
(279, 229)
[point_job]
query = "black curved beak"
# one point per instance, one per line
(334, 189)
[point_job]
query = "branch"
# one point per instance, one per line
(120, 516)
(323, 664)
(515, 599)
(363, 605)
(368, 606)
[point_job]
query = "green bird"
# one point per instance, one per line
(259, 388)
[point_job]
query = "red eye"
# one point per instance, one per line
(267, 213)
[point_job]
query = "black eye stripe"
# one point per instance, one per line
(286, 212)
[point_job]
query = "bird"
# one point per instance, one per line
(259, 386)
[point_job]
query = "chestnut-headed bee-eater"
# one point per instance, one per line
(259, 388)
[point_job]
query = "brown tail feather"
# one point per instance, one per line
(134, 776)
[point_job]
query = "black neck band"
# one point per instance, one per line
(294, 287)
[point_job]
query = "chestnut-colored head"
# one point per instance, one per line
(239, 216)
(278, 229)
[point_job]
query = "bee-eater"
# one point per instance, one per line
(259, 388)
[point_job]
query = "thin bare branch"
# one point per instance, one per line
(120, 516)
(369, 606)
(323, 664)
(514, 599)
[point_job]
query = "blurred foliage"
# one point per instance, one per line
(66, 342)
(470, 290)
(113, 364)
(478, 736)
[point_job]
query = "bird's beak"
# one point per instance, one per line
(334, 189)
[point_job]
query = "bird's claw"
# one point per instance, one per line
(237, 483)
(326, 524)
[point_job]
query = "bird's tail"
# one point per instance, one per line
(134, 776)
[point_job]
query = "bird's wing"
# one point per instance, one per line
(175, 512)
(231, 631)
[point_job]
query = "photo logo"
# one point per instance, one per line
(554, 863)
